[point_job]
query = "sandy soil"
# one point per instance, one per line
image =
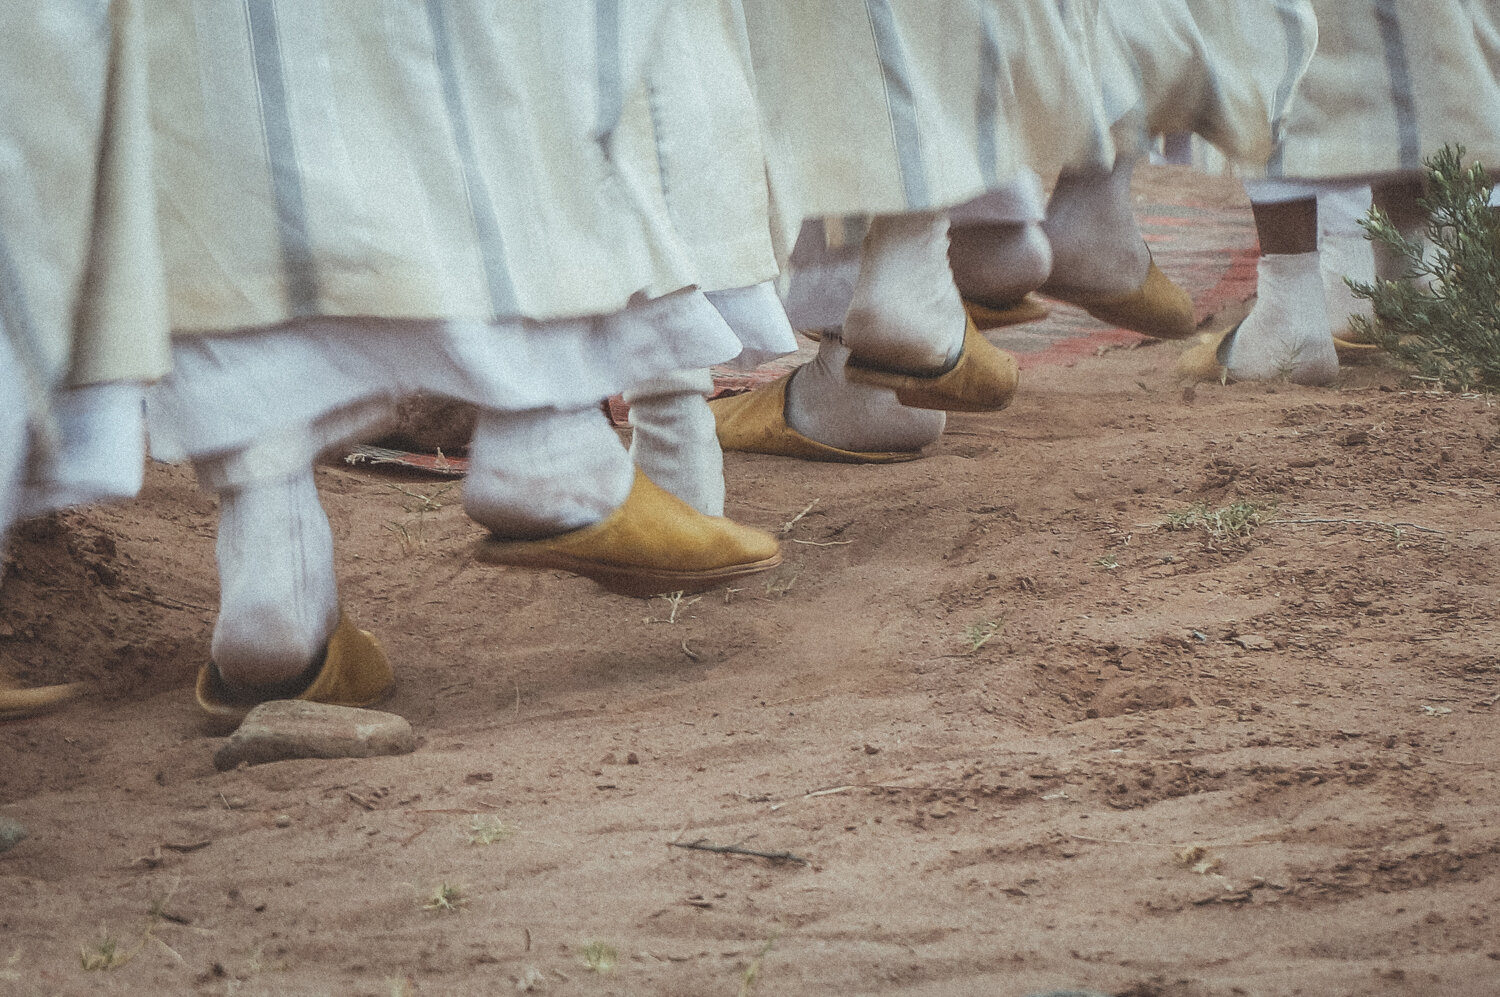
(1023, 734)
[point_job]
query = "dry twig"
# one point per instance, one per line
(702, 845)
(786, 527)
(1351, 522)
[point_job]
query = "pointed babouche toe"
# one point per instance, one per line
(653, 543)
(354, 671)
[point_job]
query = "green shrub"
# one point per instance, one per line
(1443, 318)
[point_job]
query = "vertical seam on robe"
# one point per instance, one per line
(1398, 67)
(281, 153)
(988, 104)
(654, 112)
(900, 101)
(492, 254)
(611, 73)
(1296, 59)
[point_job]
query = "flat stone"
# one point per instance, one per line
(290, 728)
(11, 834)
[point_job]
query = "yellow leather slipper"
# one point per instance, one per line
(17, 703)
(652, 544)
(1204, 360)
(1027, 308)
(1351, 351)
(354, 672)
(755, 422)
(1351, 347)
(1157, 308)
(983, 379)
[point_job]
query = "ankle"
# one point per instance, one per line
(824, 406)
(999, 264)
(906, 314)
(1097, 247)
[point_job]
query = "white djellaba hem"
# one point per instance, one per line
(87, 446)
(257, 404)
(757, 318)
(98, 454)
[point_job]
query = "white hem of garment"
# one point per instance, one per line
(1275, 190)
(265, 401)
(98, 452)
(757, 318)
(1021, 199)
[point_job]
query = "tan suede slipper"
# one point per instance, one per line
(1351, 347)
(1027, 308)
(983, 379)
(1157, 308)
(755, 422)
(354, 672)
(1204, 360)
(652, 544)
(16, 703)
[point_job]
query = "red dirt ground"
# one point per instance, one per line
(991, 698)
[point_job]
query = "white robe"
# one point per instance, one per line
(82, 303)
(691, 143)
(362, 201)
(876, 107)
(1390, 83)
(1224, 71)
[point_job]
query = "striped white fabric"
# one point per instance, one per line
(368, 200)
(1225, 71)
(407, 159)
(82, 304)
(81, 296)
(883, 107)
(1393, 81)
(691, 139)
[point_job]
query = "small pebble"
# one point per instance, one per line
(282, 820)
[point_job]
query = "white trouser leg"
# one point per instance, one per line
(1096, 244)
(823, 405)
(906, 314)
(100, 452)
(1344, 252)
(13, 438)
(999, 251)
(674, 441)
(543, 472)
(1286, 333)
(1340, 207)
(278, 597)
(1018, 200)
(999, 263)
(758, 318)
